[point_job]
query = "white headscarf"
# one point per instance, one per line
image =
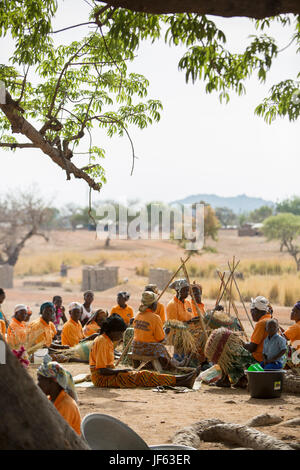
(261, 303)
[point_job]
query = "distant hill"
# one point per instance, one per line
(237, 204)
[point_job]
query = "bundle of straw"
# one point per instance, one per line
(223, 347)
(80, 351)
(218, 319)
(180, 337)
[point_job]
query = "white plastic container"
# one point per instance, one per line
(38, 356)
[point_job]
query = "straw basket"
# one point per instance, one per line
(223, 347)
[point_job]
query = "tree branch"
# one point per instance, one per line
(17, 145)
(20, 125)
(259, 9)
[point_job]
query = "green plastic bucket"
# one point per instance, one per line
(266, 384)
(255, 367)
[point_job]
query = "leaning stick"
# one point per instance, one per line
(227, 282)
(242, 300)
(174, 275)
(193, 297)
(217, 301)
(124, 352)
(236, 313)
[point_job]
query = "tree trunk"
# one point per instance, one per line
(248, 8)
(29, 421)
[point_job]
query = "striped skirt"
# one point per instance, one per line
(133, 379)
(150, 349)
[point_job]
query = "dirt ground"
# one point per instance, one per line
(157, 416)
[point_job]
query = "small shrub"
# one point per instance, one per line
(274, 294)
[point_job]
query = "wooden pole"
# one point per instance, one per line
(193, 297)
(228, 280)
(237, 315)
(174, 275)
(124, 352)
(242, 300)
(221, 285)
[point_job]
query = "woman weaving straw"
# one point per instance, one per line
(149, 332)
(16, 332)
(57, 383)
(102, 369)
(160, 309)
(43, 329)
(197, 291)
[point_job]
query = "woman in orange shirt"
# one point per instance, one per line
(122, 309)
(160, 309)
(16, 332)
(197, 291)
(94, 324)
(72, 332)
(149, 332)
(57, 383)
(179, 308)
(103, 373)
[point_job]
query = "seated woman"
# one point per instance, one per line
(160, 309)
(72, 331)
(43, 330)
(16, 332)
(57, 383)
(292, 334)
(179, 308)
(94, 324)
(122, 309)
(149, 332)
(197, 291)
(102, 369)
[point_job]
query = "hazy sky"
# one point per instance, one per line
(199, 145)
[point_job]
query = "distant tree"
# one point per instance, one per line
(289, 205)
(260, 214)
(284, 227)
(226, 216)
(22, 216)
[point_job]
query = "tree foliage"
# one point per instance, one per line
(56, 96)
(289, 205)
(284, 227)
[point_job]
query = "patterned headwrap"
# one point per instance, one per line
(179, 284)
(297, 305)
(74, 305)
(125, 295)
(45, 305)
(53, 370)
(148, 298)
(195, 284)
(152, 287)
(261, 303)
(20, 307)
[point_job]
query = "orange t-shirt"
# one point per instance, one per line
(102, 353)
(126, 313)
(69, 410)
(293, 334)
(148, 327)
(2, 328)
(201, 308)
(71, 333)
(16, 333)
(41, 332)
(259, 335)
(160, 311)
(91, 329)
(178, 310)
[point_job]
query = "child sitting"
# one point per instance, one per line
(274, 347)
